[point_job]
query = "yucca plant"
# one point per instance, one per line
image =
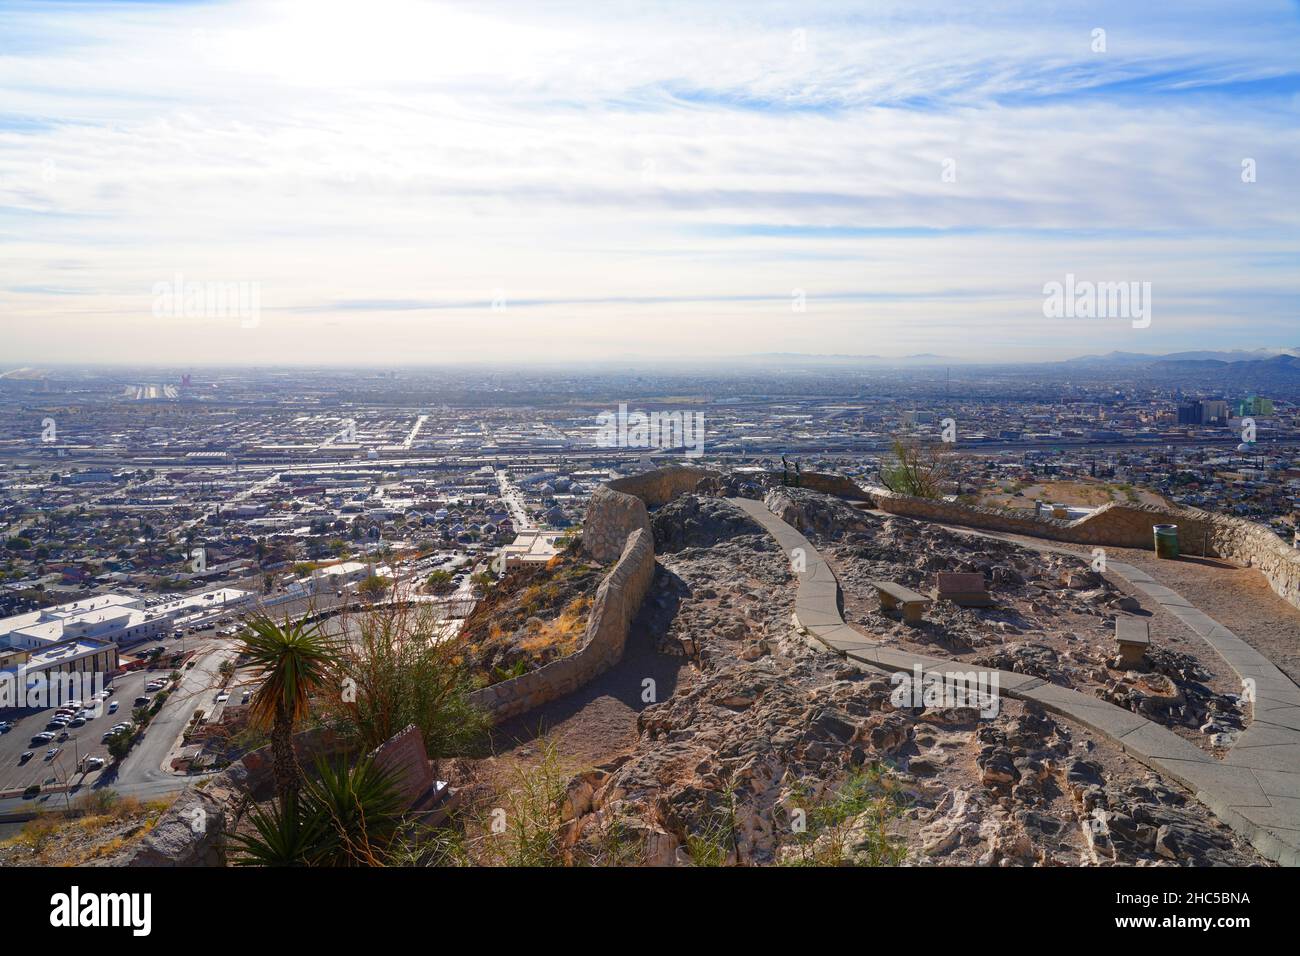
(284, 836)
(293, 660)
(360, 808)
(346, 816)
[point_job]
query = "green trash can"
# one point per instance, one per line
(1166, 536)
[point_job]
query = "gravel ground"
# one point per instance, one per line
(1238, 598)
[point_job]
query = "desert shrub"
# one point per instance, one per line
(518, 825)
(849, 826)
(399, 670)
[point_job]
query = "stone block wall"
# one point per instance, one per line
(612, 517)
(404, 756)
(616, 527)
(616, 603)
(838, 485)
(662, 485)
(1126, 526)
(620, 507)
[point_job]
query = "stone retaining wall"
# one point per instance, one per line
(611, 519)
(617, 601)
(1125, 526)
(831, 484)
(616, 526)
(662, 485)
(618, 508)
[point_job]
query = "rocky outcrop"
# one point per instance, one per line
(815, 513)
(695, 522)
(193, 830)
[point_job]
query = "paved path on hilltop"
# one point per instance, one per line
(1255, 789)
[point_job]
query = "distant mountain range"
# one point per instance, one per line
(1142, 358)
(803, 358)
(1239, 360)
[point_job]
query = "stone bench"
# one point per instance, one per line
(1133, 635)
(967, 590)
(893, 594)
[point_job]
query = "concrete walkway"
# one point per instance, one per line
(1255, 790)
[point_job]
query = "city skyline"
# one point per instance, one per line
(426, 184)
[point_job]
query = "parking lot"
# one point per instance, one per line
(17, 774)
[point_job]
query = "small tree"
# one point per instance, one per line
(374, 587)
(119, 745)
(917, 469)
(438, 581)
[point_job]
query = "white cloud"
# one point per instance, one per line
(679, 171)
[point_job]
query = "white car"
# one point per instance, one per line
(52, 753)
(94, 763)
(222, 698)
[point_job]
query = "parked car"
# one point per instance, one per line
(141, 701)
(5, 726)
(53, 752)
(77, 722)
(25, 756)
(92, 763)
(62, 736)
(43, 738)
(112, 708)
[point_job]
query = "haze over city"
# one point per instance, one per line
(427, 183)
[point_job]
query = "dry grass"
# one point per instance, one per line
(95, 826)
(1080, 493)
(563, 633)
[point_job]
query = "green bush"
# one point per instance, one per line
(396, 673)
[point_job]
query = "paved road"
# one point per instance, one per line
(143, 765)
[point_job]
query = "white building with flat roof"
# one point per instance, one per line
(532, 547)
(116, 618)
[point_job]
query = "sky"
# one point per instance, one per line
(417, 183)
